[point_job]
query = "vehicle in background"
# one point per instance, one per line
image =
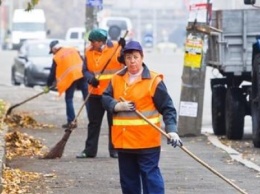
(166, 47)
(75, 37)
(234, 51)
(27, 25)
(123, 23)
(78, 44)
(75, 34)
(32, 64)
(249, 2)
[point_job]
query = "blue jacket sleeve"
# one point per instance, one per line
(165, 106)
(107, 99)
(88, 75)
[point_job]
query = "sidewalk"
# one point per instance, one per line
(182, 174)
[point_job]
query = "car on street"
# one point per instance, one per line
(117, 26)
(75, 38)
(77, 44)
(32, 64)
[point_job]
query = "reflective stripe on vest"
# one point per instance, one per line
(68, 71)
(131, 118)
(135, 121)
(107, 74)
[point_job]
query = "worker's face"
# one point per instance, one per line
(96, 45)
(133, 61)
(54, 50)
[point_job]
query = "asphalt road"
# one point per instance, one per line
(182, 174)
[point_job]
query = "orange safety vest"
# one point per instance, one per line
(129, 131)
(68, 69)
(96, 61)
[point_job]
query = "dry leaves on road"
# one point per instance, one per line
(245, 147)
(15, 181)
(21, 144)
(24, 121)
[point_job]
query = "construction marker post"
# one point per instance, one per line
(194, 69)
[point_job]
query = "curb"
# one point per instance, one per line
(235, 155)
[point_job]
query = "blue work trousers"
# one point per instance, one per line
(96, 113)
(139, 173)
(80, 84)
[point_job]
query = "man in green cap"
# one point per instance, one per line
(101, 53)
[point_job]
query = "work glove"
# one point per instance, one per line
(46, 89)
(124, 106)
(174, 139)
(94, 82)
(121, 42)
(121, 58)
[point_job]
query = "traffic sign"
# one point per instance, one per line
(94, 3)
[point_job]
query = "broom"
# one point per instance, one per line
(57, 150)
(9, 110)
(187, 151)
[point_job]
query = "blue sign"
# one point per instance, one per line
(94, 3)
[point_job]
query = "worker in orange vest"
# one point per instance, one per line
(66, 70)
(97, 55)
(137, 142)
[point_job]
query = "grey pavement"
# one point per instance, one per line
(182, 174)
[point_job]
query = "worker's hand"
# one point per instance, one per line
(46, 89)
(94, 82)
(121, 58)
(174, 139)
(121, 42)
(124, 106)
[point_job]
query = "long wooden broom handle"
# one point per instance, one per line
(102, 71)
(9, 110)
(188, 152)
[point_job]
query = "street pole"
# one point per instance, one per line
(92, 7)
(89, 18)
(194, 70)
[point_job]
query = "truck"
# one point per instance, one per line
(27, 25)
(234, 51)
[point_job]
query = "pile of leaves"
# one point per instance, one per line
(21, 144)
(24, 121)
(15, 181)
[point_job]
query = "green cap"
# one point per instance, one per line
(98, 35)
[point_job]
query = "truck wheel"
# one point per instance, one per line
(13, 80)
(255, 125)
(27, 80)
(235, 113)
(255, 106)
(218, 109)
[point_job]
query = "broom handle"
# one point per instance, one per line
(105, 66)
(31, 98)
(102, 71)
(187, 151)
(9, 110)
